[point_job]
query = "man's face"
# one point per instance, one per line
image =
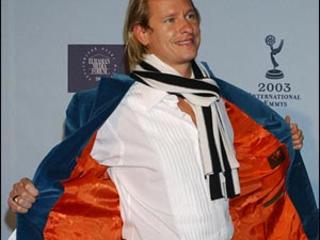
(175, 34)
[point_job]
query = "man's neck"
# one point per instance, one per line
(184, 70)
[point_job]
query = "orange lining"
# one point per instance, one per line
(89, 205)
(263, 211)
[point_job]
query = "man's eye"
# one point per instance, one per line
(191, 16)
(169, 20)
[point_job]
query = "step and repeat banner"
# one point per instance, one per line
(51, 49)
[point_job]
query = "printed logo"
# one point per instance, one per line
(98, 62)
(275, 93)
(87, 64)
(274, 73)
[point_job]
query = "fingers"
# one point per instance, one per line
(30, 187)
(296, 134)
(297, 139)
(287, 119)
(22, 195)
(15, 207)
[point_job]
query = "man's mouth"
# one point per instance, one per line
(186, 42)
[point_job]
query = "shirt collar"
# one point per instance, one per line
(150, 96)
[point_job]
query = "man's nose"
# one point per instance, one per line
(186, 26)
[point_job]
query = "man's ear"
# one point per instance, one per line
(141, 34)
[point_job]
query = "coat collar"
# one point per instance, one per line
(110, 92)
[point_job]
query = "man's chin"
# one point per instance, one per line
(189, 57)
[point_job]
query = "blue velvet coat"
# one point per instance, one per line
(88, 110)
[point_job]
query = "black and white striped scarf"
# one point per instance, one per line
(217, 152)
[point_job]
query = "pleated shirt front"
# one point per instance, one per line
(152, 150)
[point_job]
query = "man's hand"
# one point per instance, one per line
(22, 196)
(296, 134)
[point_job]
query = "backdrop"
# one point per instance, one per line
(242, 42)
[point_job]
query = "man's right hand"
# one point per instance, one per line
(22, 196)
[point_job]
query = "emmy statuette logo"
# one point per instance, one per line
(274, 73)
(276, 94)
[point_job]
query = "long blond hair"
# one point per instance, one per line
(137, 14)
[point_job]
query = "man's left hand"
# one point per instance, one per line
(296, 134)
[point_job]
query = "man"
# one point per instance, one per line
(155, 158)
